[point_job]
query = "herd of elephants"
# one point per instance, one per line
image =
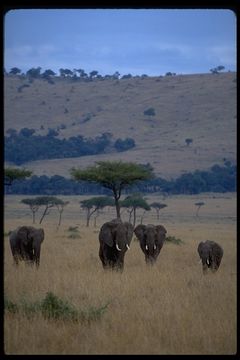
(114, 240)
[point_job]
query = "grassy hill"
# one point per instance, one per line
(201, 107)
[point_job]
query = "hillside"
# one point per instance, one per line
(201, 107)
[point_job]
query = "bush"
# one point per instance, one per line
(54, 308)
(149, 112)
(173, 240)
(123, 145)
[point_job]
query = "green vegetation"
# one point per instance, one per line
(199, 205)
(12, 174)
(48, 202)
(94, 204)
(218, 179)
(134, 202)
(54, 308)
(149, 112)
(158, 206)
(173, 240)
(115, 176)
(74, 232)
(26, 146)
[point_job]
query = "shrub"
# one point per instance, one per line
(123, 145)
(54, 308)
(173, 240)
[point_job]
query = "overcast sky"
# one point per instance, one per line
(135, 41)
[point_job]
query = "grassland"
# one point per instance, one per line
(198, 106)
(171, 308)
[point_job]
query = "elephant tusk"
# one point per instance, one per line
(118, 248)
(146, 247)
(128, 247)
(154, 246)
(208, 262)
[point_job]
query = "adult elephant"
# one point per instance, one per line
(25, 243)
(114, 237)
(211, 254)
(151, 238)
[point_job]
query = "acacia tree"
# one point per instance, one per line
(60, 205)
(48, 202)
(12, 174)
(33, 205)
(158, 206)
(113, 175)
(134, 202)
(199, 204)
(94, 204)
(15, 71)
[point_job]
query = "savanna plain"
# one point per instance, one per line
(169, 308)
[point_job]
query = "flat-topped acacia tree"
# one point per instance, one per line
(12, 174)
(114, 175)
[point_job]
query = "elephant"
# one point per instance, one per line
(114, 237)
(25, 243)
(211, 254)
(151, 239)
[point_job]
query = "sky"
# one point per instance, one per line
(130, 41)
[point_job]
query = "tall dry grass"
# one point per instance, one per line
(170, 308)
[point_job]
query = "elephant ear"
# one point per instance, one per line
(106, 234)
(23, 234)
(139, 232)
(41, 232)
(199, 249)
(129, 227)
(161, 233)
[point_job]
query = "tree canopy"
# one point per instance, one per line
(94, 204)
(134, 202)
(114, 175)
(12, 174)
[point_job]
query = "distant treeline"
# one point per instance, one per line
(25, 146)
(217, 179)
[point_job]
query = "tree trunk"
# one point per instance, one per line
(88, 217)
(60, 217)
(44, 213)
(117, 205)
(33, 217)
(134, 217)
(117, 209)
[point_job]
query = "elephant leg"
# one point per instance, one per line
(15, 258)
(103, 258)
(16, 254)
(204, 268)
(119, 265)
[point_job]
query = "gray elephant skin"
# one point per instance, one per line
(211, 254)
(25, 243)
(151, 238)
(114, 237)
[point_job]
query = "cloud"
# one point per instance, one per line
(26, 56)
(223, 54)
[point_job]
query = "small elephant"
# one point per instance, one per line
(114, 237)
(211, 254)
(151, 239)
(25, 243)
